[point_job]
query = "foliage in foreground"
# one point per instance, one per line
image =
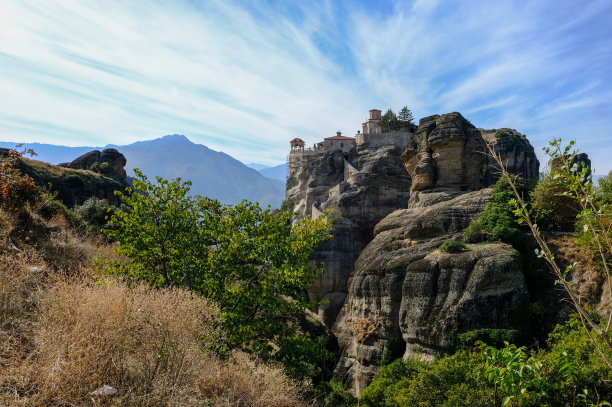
(575, 178)
(66, 330)
(16, 188)
(486, 376)
(251, 262)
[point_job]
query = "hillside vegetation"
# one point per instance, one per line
(67, 328)
(181, 300)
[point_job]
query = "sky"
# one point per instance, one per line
(246, 77)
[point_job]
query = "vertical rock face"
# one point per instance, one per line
(421, 295)
(516, 152)
(357, 189)
(446, 152)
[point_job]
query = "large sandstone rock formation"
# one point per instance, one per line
(421, 295)
(357, 189)
(518, 154)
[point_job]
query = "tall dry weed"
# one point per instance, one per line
(64, 332)
(149, 346)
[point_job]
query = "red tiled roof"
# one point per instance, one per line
(339, 138)
(297, 140)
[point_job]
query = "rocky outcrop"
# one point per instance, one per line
(95, 160)
(446, 152)
(516, 152)
(448, 155)
(421, 295)
(356, 188)
(73, 186)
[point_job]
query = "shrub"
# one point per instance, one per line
(16, 189)
(132, 339)
(475, 233)
(452, 381)
(453, 246)
(390, 380)
(105, 168)
(287, 206)
(94, 211)
(552, 209)
(497, 221)
(334, 393)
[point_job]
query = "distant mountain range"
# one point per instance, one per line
(278, 172)
(212, 173)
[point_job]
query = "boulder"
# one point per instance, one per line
(94, 159)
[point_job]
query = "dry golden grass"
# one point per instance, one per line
(64, 332)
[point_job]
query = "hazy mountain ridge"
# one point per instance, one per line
(278, 172)
(213, 173)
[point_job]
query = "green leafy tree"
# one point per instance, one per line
(251, 261)
(552, 207)
(405, 116)
(604, 192)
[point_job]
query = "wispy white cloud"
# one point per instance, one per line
(245, 79)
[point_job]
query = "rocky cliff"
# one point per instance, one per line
(357, 188)
(421, 295)
(394, 202)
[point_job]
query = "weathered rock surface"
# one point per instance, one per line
(448, 155)
(445, 152)
(357, 189)
(114, 159)
(516, 152)
(422, 295)
(73, 186)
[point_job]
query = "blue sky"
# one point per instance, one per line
(246, 77)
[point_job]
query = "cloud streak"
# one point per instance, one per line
(245, 79)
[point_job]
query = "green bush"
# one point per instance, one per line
(551, 208)
(453, 246)
(94, 211)
(105, 168)
(497, 221)
(48, 207)
(475, 233)
(334, 394)
(287, 206)
(452, 381)
(565, 369)
(390, 381)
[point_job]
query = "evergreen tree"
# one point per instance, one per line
(405, 115)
